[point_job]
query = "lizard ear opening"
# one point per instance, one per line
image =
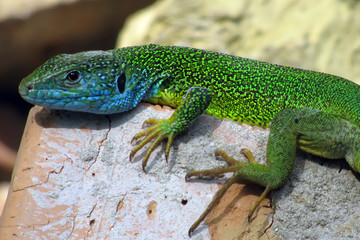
(121, 80)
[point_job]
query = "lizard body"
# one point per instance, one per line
(313, 111)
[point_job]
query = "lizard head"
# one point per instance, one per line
(93, 81)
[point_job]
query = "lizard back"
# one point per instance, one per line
(244, 90)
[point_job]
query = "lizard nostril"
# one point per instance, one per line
(30, 86)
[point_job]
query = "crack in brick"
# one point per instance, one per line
(73, 225)
(92, 210)
(40, 183)
(91, 223)
(119, 206)
(26, 226)
(268, 227)
(101, 142)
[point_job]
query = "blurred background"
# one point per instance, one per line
(322, 36)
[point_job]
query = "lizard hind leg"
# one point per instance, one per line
(249, 156)
(251, 168)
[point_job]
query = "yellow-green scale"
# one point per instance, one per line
(243, 89)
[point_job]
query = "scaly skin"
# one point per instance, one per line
(316, 112)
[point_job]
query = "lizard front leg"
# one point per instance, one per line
(195, 103)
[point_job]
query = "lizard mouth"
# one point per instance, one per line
(40, 95)
(63, 100)
(36, 96)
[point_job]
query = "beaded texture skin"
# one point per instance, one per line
(316, 112)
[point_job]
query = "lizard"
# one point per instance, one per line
(316, 112)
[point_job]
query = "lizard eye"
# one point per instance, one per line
(73, 76)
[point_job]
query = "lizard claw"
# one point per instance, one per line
(160, 130)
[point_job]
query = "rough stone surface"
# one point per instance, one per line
(320, 201)
(73, 180)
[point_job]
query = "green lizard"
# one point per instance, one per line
(316, 112)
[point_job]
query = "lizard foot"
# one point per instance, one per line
(231, 161)
(238, 168)
(161, 129)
